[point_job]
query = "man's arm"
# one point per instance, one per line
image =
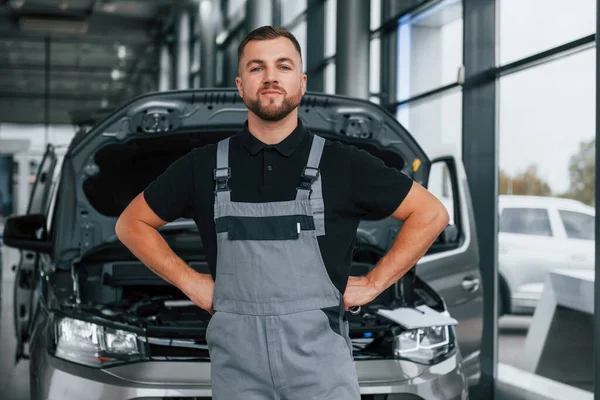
(137, 228)
(424, 218)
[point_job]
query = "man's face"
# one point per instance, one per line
(271, 81)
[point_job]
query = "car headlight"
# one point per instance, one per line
(93, 345)
(424, 344)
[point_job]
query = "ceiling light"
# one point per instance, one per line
(121, 52)
(222, 37)
(116, 74)
(205, 7)
(17, 3)
(108, 7)
(33, 24)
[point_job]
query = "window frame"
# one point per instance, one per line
(438, 247)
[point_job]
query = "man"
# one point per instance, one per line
(278, 208)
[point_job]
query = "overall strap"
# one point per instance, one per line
(310, 184)
(222, 172)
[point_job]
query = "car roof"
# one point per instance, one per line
(544, 201)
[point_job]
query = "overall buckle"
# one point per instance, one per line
(222, 176)
(309, 175)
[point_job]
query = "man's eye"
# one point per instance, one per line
(254, 69)
(285, 67)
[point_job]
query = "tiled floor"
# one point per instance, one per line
(14, 379)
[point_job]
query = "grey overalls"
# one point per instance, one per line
(273, 334)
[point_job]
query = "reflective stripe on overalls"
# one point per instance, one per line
(278, 331)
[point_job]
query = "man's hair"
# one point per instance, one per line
(267, 33)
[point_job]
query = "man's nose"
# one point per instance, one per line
(270, 75)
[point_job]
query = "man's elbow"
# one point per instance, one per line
(122, 227)
(437, 217)
(442, 218)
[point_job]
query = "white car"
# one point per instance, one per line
(537, 235)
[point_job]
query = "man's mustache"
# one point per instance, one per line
(272, 87)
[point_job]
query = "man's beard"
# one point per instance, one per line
(288, 105)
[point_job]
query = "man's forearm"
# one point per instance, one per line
(414, 239)
(147, 244)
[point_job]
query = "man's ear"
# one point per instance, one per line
(238, 84)
(303, 83)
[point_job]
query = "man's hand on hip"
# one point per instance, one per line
(359, 292)
(199, 289)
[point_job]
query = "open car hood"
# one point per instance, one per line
(215, 113)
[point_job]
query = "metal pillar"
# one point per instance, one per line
(480, 157)
(164, 77)
(183, 51)
(258, 13)
(276, 12)
(47, 94)
(389, 55)
(315, 52)
(352, 48)
(231, 61)
(596, 375)
(209, 23)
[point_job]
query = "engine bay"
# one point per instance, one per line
(112, 287)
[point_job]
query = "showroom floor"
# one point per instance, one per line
(14, 380)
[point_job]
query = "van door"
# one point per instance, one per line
(451, 266)
(26, 274)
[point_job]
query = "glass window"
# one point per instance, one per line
(532, 26)
(578, 225)
(375, 14)
(300, 32)
(235, 8)
(545, 109)
(435, 122)
(290, 10)
(430, 49)
(374, 65)
(546, 121)
(527, 221)
(330, 27)
(375, 99)
(330, 78)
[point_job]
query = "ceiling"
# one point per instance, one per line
(71, 61)
(83, 56)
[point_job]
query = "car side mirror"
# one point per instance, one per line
(27, 232)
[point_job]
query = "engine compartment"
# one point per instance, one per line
(121, 288)
(113, 288)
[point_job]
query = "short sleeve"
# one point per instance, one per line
(376, 189)
(170, 195)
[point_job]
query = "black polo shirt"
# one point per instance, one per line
(356, 185)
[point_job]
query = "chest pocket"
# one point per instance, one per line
(286, 227)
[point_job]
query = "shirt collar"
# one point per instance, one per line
(285, 147)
